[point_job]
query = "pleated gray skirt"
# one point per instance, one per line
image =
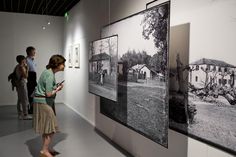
(44, 119)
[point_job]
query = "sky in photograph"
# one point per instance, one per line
(130, 36)
(102, 46)
(213, 31)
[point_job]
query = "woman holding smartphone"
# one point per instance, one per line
(45, 121)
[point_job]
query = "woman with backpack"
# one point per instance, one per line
(21, 71)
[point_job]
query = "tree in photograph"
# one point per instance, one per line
(111, 46)
(180, 75)
(129, 58)
(232, 78)
(92, 65)
(155, 23)
(133, 58)
(156, 62)
(223, 73)
(182, 98)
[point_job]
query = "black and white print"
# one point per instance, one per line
(76, 55)
(103, 67)
(70, 56)
(142, 73)
(202, 100)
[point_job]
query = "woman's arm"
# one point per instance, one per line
(52, 93)
(24, 71)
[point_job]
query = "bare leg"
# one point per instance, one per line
(47, 138)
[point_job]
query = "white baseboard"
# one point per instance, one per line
(90, 122)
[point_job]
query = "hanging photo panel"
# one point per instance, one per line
(142, 103)
(202, 101)
(103, 67)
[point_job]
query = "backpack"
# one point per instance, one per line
(13, 78)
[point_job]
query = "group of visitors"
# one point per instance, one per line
(38, 98)
(26, 75)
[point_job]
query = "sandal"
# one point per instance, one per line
(43, 154)
(54, 153)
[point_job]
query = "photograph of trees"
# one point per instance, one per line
(142, 103)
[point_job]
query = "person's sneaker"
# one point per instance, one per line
(27, 117)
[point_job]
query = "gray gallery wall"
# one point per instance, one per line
(84, 24)
(17, 31)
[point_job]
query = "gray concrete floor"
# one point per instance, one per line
(77, 138)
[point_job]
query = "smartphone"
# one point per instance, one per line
(58, 84)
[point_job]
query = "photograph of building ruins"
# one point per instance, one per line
(202, 90)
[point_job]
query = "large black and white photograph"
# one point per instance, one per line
(103, 67)
(202, 78)
(142, 73)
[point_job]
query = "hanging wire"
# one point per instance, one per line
(4, 5)
(39, 7)
(11, 6)
(52, 8)
(25, 6)
(32, 6)
(46, 7)
(18, 7)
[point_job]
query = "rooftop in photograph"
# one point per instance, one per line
(212, 62)
(99, 57)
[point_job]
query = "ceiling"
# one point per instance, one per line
(42, 7)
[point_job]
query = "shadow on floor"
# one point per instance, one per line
(120, 149)
(35, 144)
(9, 123)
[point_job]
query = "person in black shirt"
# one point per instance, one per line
(32, 76)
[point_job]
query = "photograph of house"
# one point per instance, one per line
(98, 60)
(207, 71)
(103, 67)
(142, 70)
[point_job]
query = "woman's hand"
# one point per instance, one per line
(27, 67)
(59, 87)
